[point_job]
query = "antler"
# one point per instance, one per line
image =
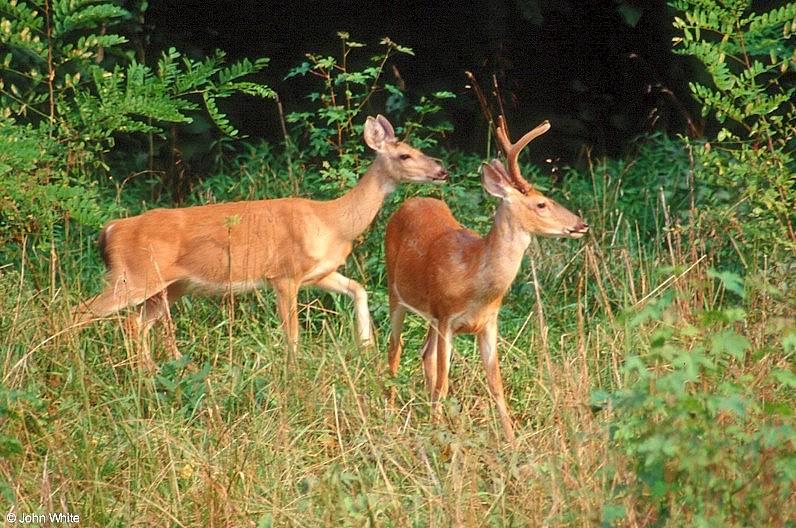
(512, 151)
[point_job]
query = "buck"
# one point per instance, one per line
(456, 279)
(157, 257)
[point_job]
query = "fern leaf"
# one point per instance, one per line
(219, 118)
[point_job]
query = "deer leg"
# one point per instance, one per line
(109, 301)
(441, 340)
(118, 295)
(136, 332)
(157, 308)
(338, 283)
(444, 338)
(287, 308)
(397, 315)
(429, 354)
(487, 346)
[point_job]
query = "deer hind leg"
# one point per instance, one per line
(487, 346)
(338, 283)
(155, 309)
(287, 308)
(106, 303)
(117, 296)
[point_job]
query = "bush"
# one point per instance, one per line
(335, 126)
(70, 89)
(749, 163)
(705, 415)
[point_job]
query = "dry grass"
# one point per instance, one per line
(249, 442)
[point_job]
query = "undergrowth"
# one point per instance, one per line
(649, 367)
(657, 391)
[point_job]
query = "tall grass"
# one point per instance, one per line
(231, 437)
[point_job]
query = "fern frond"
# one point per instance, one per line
(249, 88)
(218, 117)
(167, 66)
(90, 17)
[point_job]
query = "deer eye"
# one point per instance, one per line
(541, 205)
(405, 157)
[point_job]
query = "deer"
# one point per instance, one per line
(456, 279)
(157, 257)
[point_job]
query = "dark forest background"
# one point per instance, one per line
(601, 71)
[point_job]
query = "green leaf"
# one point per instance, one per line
(612, 513)
(789, 341)
(266, 521)
(219, 118)
(599, 398)
(731, 281)
(630, 14)
(785, 377)
(301, 69)
(443, 95)
(733, 403)
(729, 342)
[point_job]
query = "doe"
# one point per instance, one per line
(155, 258)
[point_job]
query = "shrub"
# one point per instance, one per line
(70, 89)
(704, 415)
(749, 163)
(335, 125)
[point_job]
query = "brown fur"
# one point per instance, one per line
(457, 279)
(103, 249)
(156, 257)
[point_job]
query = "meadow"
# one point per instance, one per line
(649, 367)
(232, 435)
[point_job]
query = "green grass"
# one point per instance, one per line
(317, 444)
(235, 437)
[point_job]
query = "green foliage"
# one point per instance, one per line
(750, 59)
(32, 198)
(713, 445)
(348, 92)
(702, 403)
(181, 386)
(14, 405)
(69, 89)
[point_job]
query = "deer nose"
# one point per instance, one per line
(582, 227)
(441, 175)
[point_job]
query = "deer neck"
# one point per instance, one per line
(355, 210)
(504, 247)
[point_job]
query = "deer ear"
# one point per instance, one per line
(378, 131)
(501, 169)
(495, 179)
(387, 126)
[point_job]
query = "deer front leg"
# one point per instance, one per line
(429, 355)
(397, 316)
(338, 283)
(287, 308)
(444, 344)
(487, 346)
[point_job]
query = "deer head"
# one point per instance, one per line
(536, 213)
(400, 161)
